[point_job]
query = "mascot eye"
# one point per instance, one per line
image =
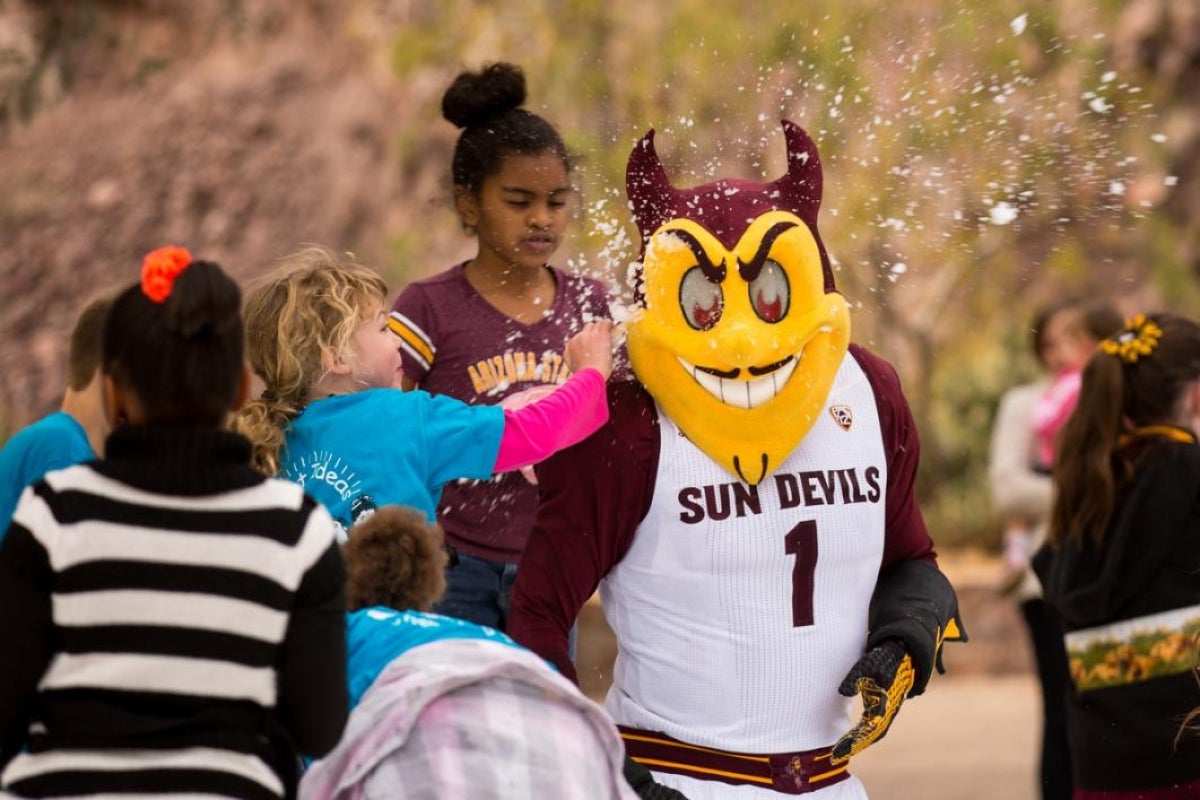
(769, 292)
(700, 299)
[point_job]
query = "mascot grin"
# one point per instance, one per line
(740, 331)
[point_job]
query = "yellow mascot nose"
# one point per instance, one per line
(739, 343)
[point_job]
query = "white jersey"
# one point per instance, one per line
(740, 609)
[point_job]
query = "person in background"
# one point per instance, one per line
(447, 708)
(173, 621)
(69, 436)
(490, 330)
(1121, 565)
(331, 418)
(1065, 335)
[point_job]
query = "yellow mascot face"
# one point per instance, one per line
(739, 334)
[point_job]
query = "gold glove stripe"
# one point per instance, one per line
(875, 723)
(952, 633)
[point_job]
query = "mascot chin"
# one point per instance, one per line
(748, 513)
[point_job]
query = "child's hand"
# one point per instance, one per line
(591, 347)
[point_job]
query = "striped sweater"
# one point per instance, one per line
(172, 624)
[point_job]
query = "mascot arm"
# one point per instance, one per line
(913, 601)
(915, 605)
(592, 496)
(913, 608)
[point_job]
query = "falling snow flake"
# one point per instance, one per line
(1002, 213)
(1018, 24)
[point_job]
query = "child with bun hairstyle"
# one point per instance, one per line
(490, 330)
(172, 621)
(443, 707)
(331, 418)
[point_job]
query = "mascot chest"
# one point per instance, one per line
(828, 495)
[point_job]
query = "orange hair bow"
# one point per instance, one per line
(160, 268)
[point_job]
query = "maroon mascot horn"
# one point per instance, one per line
(727, 207)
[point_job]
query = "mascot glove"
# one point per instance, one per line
(883, 676)
(643, 783)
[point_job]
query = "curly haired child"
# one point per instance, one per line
(331, 418)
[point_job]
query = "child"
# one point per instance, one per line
(330, 418)
(1121, 569)
(444, 707)
(173, 622)
(1070, 343)
(491, 329)
(1030, 417)
(69, 436)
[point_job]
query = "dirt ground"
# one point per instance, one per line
(973, 734)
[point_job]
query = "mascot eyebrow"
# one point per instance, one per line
(749, 269)
(713, 273)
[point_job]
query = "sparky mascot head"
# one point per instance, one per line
(741, 331)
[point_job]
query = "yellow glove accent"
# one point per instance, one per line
(880, 705)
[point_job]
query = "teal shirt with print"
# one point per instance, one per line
(375, 636)
(356, 452)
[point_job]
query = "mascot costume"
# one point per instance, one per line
(748, 511)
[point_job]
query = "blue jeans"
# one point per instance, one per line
(479, 590)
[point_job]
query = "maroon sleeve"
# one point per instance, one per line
(592, 497)
(420, 319)
(906, 536)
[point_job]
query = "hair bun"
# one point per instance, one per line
(204, 302)
(476, 97)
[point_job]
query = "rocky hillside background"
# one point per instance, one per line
(977, 161)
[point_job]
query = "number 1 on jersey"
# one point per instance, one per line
(801, 542)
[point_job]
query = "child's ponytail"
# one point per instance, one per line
(1085, 487)
(264, 422)
(1135, 382)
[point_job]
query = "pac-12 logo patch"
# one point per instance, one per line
(842, 415)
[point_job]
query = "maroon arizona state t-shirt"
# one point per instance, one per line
(454, 342)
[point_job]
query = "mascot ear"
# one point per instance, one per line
(651, 197)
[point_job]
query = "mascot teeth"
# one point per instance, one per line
(743, 394)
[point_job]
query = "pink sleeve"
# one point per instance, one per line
(1052, 411)
(569, 415)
